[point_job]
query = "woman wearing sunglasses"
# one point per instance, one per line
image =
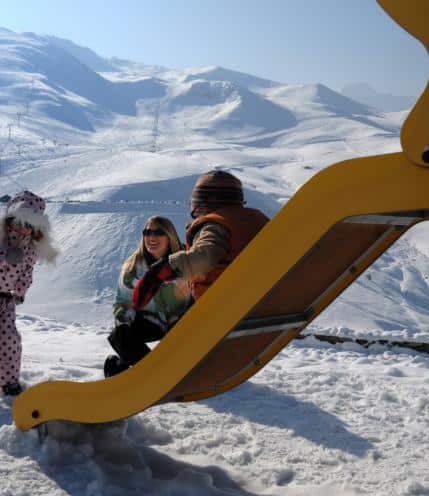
(133, 328)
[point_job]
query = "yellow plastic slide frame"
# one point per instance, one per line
(384, 183)
(413, 16)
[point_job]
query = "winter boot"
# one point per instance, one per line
(114, 365)
(12, 389)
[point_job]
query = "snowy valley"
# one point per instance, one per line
(109, 143)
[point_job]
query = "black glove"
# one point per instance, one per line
(124, 315)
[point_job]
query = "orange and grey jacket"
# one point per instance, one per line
(213, 241)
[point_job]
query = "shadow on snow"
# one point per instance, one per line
(113, 459)
(266, 406)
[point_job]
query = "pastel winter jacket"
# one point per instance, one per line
(169, 303)
(17, 278)
(16, 272)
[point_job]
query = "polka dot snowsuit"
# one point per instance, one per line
(16, 278)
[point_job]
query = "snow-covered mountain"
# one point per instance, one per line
(38, 72)
(363, 92)
(110, 148)
(84, 55)
(216, 73)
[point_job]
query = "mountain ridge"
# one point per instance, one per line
(386, 102)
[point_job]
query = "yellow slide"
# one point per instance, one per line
(335, 226)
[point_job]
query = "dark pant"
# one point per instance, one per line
(129, 341)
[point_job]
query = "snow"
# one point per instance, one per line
(332, 419)
(109, 149)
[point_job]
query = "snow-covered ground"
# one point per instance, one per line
(109, 149)
(319, 419)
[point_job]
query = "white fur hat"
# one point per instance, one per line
(30, 208)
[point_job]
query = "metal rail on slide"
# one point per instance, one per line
(252, 327)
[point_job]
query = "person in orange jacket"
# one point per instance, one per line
(221, 229)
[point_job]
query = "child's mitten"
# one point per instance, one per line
(19, 300)
(14, 255)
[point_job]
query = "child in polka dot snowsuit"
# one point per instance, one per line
(24, 238)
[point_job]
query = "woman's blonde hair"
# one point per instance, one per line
(141, 253)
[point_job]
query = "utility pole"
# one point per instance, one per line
(28, 96)
(18, 117)
(155, 128)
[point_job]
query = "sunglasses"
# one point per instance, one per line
(154, 232)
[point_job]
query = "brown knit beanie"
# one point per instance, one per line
(216, 189)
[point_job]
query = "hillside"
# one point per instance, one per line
(107, 153)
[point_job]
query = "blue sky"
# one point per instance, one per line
(293, 41)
